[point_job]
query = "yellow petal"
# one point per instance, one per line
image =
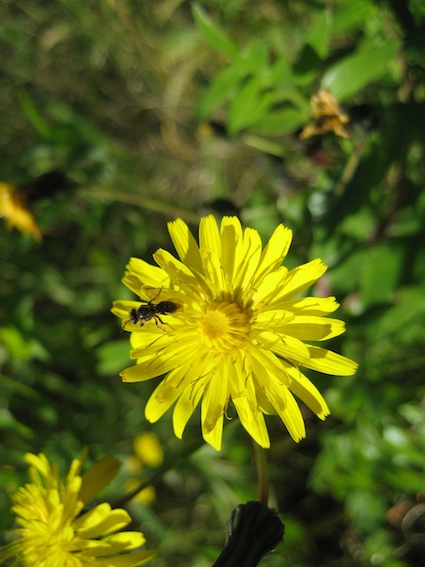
(209, 237)
(159, 403)
(231, 238)
(268, 288)
(299, 279)
(150, 339)
(124, 541)
(311, 305)
(274, 253)
(330, 362)
(214, 437)
(251, 418)
(246, 260)
(286, 346)
(41, 464)
(267, 367)
(308, 328)
(292, 417)
(272, 320)
(143, 372)
(214, 271)
(174, 268)
(101, 521)
(286, 407)
(180, 273)
(161, 362)
(185, 244)
(186, 405)
(141, 273)
(306, 391)
(215, 399)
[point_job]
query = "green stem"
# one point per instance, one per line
(171, 211)
(262, 472)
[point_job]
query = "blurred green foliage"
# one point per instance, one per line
(139, 112)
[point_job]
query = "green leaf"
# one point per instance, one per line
(280, 76)
(112, 357)
(249, 106)
(349, 76)
(221, 89)
(405, 317)
(319, 36)
(256, 57)
(380, 273)
(307, 67)
(213, 34)
(38, 121)
(359, 225)
(282, 121)
(351, 14)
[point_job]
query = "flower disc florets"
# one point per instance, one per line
(225, 327)
(236, 333)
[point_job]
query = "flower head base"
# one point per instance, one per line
(54, 529)
(238, 334)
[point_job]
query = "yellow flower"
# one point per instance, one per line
(145, 496)
(147, 451)
(55, 531)
(235, 333)
(16, 212)
(328, 117)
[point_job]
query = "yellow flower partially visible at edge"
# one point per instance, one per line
(16, 212)
(238, 333)
(56, 532)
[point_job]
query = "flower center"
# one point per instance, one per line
(225, 326)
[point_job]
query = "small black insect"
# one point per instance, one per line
(150, 310)
(145, 313)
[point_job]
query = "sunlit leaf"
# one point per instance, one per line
(350, 14)
(353, 73)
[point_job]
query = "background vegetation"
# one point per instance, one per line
(144, 111)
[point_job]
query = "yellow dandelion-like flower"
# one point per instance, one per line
(224, 326)
(16, 212)
(56, 531)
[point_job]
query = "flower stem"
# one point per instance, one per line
(262, 472)
(147, 203)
